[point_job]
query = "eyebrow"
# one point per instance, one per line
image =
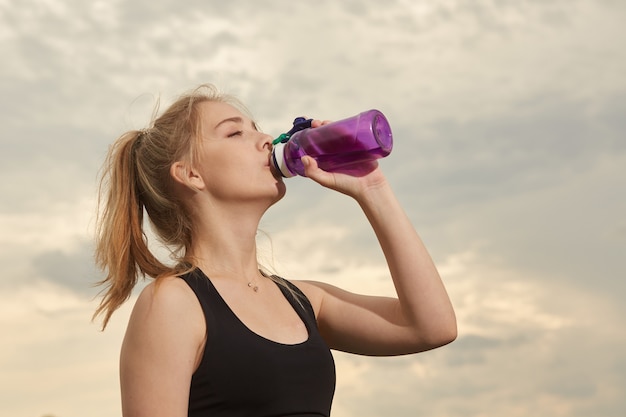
(235, 119)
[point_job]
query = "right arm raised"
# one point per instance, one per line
(161, 350)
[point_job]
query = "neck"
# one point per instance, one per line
(224, 243)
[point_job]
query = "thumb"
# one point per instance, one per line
(311, 170)
(310, 165)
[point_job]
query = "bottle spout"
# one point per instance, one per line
(278, 164)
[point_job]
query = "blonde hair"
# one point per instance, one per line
(136, 177)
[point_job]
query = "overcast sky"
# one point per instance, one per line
(509, 120)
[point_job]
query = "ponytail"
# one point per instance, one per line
(136, 179)
(121, 246)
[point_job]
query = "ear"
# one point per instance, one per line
(187, 175)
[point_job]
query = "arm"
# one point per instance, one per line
(160, 352)
(421, 317)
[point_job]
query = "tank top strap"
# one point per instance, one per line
(209, 298)
(206, 295)
(298, 300)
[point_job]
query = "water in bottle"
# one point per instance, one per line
(337, 146)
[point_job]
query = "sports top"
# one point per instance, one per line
(242, 374)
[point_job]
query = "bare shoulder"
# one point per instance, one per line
(165, 336)
(169, 294)
(314, 291)
(167, 289)
(167, 306)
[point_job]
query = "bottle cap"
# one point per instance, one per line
(278, 159)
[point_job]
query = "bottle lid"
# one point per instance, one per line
(278, 159)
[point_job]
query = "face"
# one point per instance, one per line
(234, 157)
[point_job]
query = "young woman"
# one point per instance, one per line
(215, 335)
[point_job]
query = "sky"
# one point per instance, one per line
(509, 157)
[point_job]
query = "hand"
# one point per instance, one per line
(354, 181)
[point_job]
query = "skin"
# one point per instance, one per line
(229, 190)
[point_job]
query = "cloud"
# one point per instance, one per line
(519, 350)
(56, 352)
(74, 271)
(509, 158)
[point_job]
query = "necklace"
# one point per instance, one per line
(252, 283)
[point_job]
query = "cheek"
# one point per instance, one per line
(232, 182)
(226, 179)
(218, 170)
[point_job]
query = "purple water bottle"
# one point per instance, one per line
(335, 146)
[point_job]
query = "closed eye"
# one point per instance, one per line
(237, 133)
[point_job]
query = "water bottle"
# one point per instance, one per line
(337, 146)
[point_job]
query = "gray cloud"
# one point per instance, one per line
(472, 349)
(74, 271)
(509, 124)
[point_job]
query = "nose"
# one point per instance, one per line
(266, 141)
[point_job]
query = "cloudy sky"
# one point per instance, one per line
(509, 120)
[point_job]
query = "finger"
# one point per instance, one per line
(311, 170)
(318, 123)
(310, 165)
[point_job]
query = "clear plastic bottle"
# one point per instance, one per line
(336, 146)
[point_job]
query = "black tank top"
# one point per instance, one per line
(243, 374)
